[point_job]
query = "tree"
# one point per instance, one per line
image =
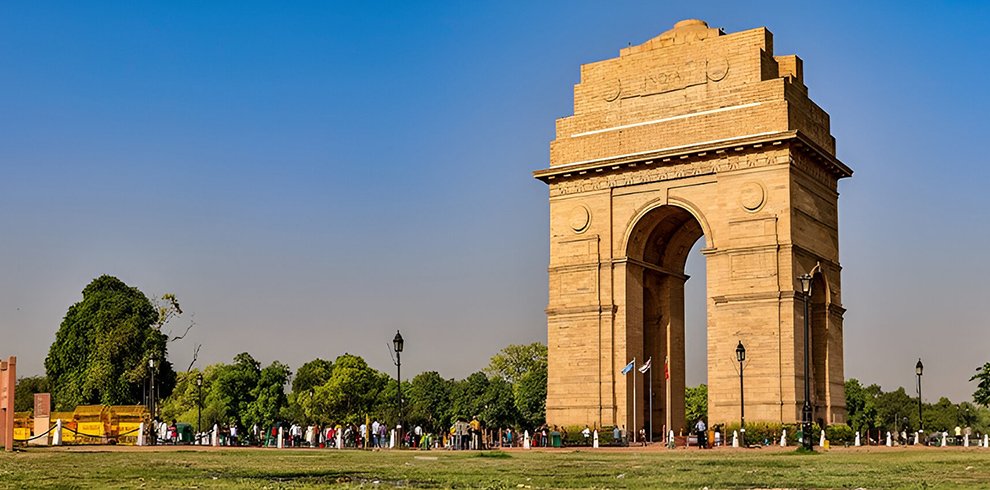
(695, 404)
(524, 367)
(231, 389)
(430, 402)
(982, 394)
(469, 395)
(514, 361)
(530, 397)
(893, 407)
(499, 408)
(312, 374)
(860, 407)
(25, 390)
(101, 350)
(268, 396)
(349, 394)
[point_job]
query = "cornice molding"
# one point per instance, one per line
(687, 161)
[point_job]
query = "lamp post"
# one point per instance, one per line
(397, 344)
(151, 401)
(741, 356)
(199, 403)
(806, 410)
(918, 369)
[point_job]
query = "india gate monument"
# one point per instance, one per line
(693, 135)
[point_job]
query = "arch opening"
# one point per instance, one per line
(658, 249)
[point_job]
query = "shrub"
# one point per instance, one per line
(840, 434)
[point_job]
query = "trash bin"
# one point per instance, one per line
(186, 433)
(555, 439)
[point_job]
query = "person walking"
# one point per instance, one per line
(702, 431)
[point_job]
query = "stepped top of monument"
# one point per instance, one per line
(692, 85)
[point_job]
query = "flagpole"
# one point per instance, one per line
(666, 382)
(650, 435)
(633, 432)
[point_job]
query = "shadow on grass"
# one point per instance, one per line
(493, 454)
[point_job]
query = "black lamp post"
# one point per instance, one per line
(397, 344)
(199, 403)
(919, 369)
(151, 401)
(741, 356)
(806, 410)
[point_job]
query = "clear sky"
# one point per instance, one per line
(307, 177)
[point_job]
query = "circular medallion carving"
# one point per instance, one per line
(752, 196)
(579, 218)
(613, 87)
(718, 68)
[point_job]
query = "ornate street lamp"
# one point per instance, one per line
(919, 369)
(741, 356)
(151, 401)
(199, 403)
(806, 410)
(397, 344)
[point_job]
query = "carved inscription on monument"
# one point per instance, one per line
(663, 79)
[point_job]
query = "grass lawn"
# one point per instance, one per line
(95, 467)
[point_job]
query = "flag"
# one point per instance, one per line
(666, 368)
(646, 366)
(629, 367)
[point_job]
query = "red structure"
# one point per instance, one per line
(8, 380)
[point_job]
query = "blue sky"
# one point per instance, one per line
(309, 176)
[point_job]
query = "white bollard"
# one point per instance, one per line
(391, 440)
(821, 442)
(944, 435)
(857, 444)
(281, 438)
(783, 438)
(526, 440)
(215, 437)
(340, 439)
(986, 441)
(57, 439)
(966, 440)
(889, 441)
(735, 438)
(595, 443)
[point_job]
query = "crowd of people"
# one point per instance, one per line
(463, 434)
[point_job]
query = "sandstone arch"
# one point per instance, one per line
(693, 134)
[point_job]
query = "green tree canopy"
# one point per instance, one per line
(514, 361)
(430, 402)
(312, 374)
(982, 394)
(25, 390)
(530, 397)
(101, 350)
(231, 389)
(524, 368)
(695, 404)
(268, 396)
(349, 394)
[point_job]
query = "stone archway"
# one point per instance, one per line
(693, 134)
